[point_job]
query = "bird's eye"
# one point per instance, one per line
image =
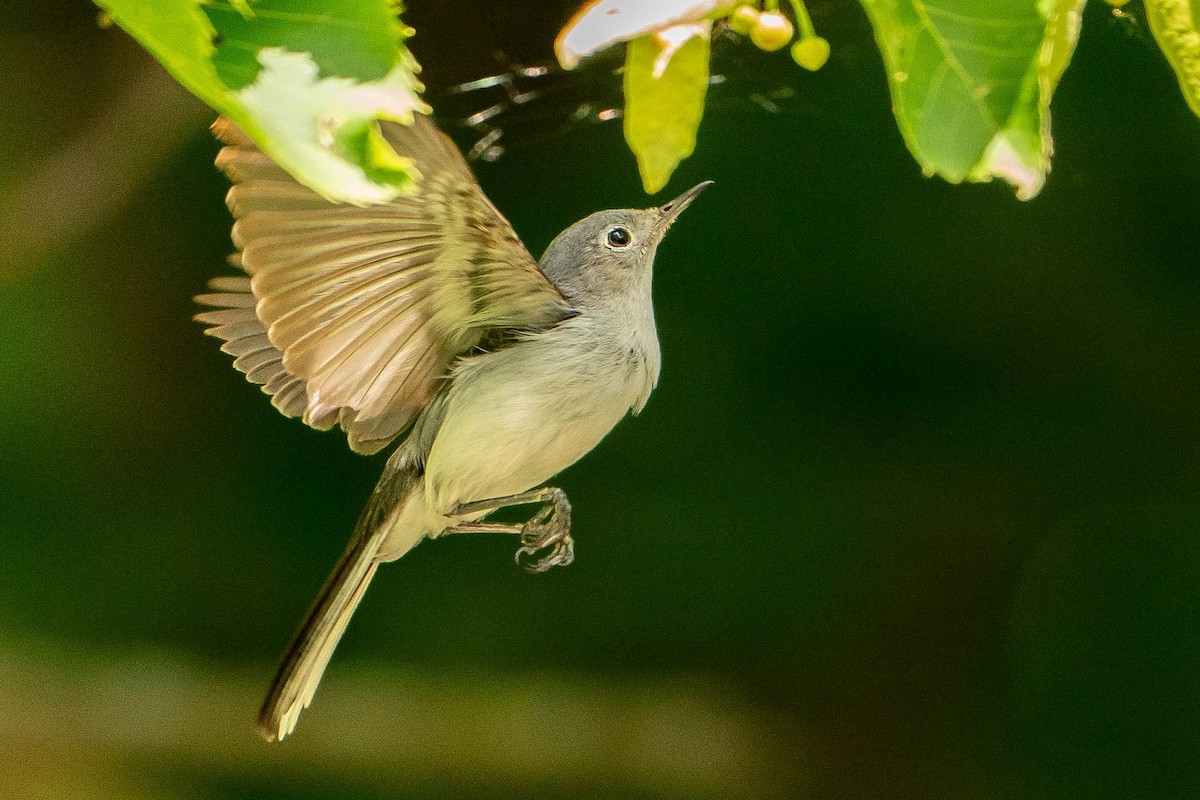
(618, 238)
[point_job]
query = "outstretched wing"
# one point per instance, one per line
(352, 315)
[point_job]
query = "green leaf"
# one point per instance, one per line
(971, 82)
(305, 79)
(363, 143)
(666, 77)
(347, 38)
(1174, 25)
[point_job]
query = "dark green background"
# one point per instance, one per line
(918, 496)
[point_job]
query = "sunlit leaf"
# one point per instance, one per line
(305, 79)
(666, 77)
(603, 23)
(1176, 27)
(971, 82)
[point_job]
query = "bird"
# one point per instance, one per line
(426, 317)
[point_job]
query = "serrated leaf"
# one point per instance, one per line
(971, 82)
(602, 23)
(304, 79)
(1174, 24)
(666, 77)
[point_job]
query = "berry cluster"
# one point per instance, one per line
(770, 30)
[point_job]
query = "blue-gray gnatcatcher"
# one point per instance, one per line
(428, 312)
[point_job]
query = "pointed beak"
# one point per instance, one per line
(674, 208)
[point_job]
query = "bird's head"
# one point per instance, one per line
(611, 252)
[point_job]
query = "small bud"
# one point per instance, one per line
(811, 53)
(743, 19)
(771, 31)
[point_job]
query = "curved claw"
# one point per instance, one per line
(561, 554)
(548, 529)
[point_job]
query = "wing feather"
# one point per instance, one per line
(246, 339)
(272, 195)
(316, 327)
(353, 315)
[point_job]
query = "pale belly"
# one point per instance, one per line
(517, 430)
(512, 420)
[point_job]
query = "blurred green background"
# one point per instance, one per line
(914, 512)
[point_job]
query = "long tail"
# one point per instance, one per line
(307, 656)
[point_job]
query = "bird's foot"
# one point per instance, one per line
(549, 528)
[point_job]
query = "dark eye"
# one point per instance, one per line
(619, 237)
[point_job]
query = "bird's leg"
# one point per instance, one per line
(549, 527)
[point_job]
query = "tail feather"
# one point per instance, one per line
(310, 650)
(312, 646)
